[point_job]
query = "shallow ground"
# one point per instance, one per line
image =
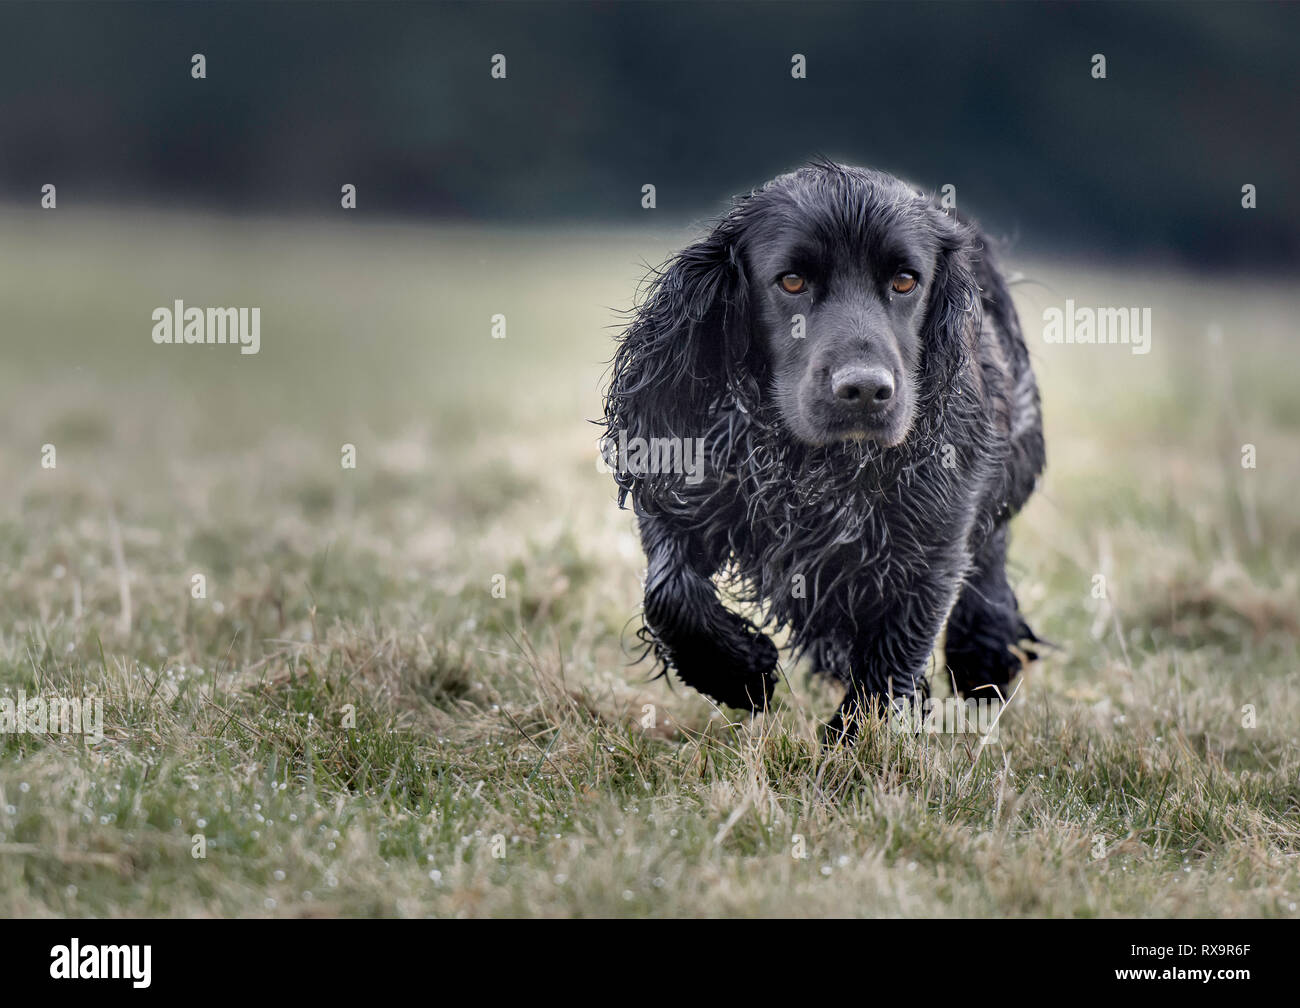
(351, 723)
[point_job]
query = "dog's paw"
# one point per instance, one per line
(841, 729)
(847, 722)
(983, 665)
(735, 664)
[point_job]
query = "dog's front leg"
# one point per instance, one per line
(709, 647)
(888, 661)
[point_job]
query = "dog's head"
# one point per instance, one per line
(841, 266)
(840, 296)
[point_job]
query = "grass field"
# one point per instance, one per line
(505, 759)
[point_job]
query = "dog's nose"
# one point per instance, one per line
(865, 387)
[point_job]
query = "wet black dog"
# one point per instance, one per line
(848, 359)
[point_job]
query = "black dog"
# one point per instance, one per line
(848, 358)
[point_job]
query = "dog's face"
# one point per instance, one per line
(838, 287)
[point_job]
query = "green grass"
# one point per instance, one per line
(356, 725)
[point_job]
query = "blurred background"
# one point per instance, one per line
(697, 98)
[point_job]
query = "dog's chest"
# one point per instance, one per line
(792, 534)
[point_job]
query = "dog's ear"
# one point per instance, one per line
(686, 348)
(953, 312)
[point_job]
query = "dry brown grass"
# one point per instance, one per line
(1125, 782)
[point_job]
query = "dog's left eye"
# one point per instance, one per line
(904, 282)
(793, 283)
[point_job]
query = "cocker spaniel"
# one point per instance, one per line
(826, 408)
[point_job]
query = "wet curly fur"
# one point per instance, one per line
(862, 541)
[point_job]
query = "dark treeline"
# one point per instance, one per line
(998, 100)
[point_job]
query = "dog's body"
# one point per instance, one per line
(851, 358)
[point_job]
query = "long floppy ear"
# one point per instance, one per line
(953, 315)
(684, 352)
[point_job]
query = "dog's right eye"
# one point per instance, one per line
(793, 283)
